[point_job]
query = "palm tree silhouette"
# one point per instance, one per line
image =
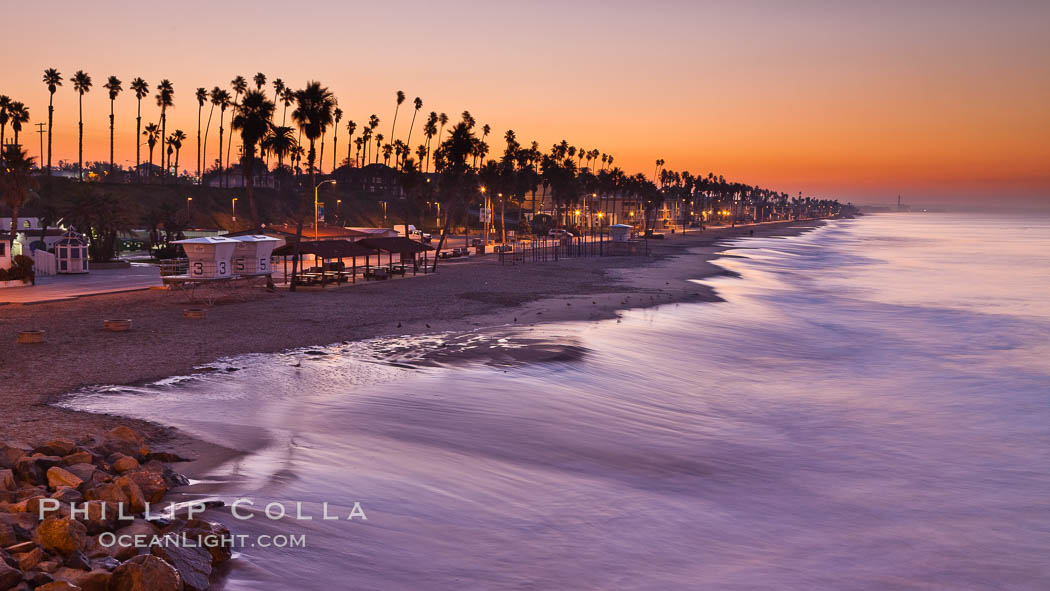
(279, 141)
(152, 132)
(82, 85)
(175, 141)
(278, 89)
(202, 97)
(337, 116)
(350, 128)
(141, 89)
(18, 114)
(16, 181)
(239, 85)
(5, 116)
(214, 98)
(373, 123)
(114, 88)
(313, 113)
(223, 103)
(260, 81)
(53, 80)
(429, 131)
(287, 99)
(165, 94)
(418, 103)
(400, 99)
(360, 141)
(379, 146)
(253, 120)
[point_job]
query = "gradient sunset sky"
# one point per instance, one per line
(942, 101)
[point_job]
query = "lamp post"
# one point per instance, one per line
(315, 203)
(233, 208)
(188, 199)
(338, 203)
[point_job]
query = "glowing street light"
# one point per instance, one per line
(233, 208)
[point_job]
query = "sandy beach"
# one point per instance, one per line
(461, 296)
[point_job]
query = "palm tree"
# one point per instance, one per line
(400, 99)
(152, 133)
(141, 89)
(175, 141)
(53, 80)
(253, 120)
(279, 141)
(19, 114)
(16, 182)
(429, 131)
(5, 116)
(239, 85)
(165, 94)
(419, 105)
(373, 123)
(224, 103)
(260, 81)
(202, 97)
(313, 114)
(214, 97)
(350, 128)
(379, 145)
(360, 141)
(287, 99)
(337, 116)
(114, 88)
(81, 84)
(278, 89)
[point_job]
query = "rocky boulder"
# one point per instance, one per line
(62, 535)
(57, 477)
(56, 447)
(193, 563)
(145, 573)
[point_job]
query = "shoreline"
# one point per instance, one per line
(460, 297)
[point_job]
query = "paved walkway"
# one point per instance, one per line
(64, 287)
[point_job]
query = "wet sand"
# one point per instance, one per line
(463, 295)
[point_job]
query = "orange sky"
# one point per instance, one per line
(943, 101)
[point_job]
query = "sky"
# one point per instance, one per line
(946, 102)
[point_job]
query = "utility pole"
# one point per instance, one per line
(40, 131)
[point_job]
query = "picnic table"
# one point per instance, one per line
(379, 273)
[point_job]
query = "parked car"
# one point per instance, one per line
(559, 233)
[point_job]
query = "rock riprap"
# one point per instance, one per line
(87, 515)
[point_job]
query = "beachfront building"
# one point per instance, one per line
(71, 253)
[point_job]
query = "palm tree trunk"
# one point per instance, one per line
(207, 131)
(221, 113)
(50, 118)
(200, 107)
(320, 159)
(249, 180)
(503, 219)
(138, 141)
(163, 139)
(111, 127)
(335, 146)
(301, 216)
(177, 150)
(150, 176)
(80, 148)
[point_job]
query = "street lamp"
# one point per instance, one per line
(233, 208)
(188, 199)
(315, 203)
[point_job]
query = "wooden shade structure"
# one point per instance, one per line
(401, 245)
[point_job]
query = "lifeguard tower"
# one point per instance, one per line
(251, 254)
(209, 256)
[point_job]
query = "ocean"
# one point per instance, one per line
(868, 409)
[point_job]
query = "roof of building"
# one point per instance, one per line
(398, 244)
(326, 249)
